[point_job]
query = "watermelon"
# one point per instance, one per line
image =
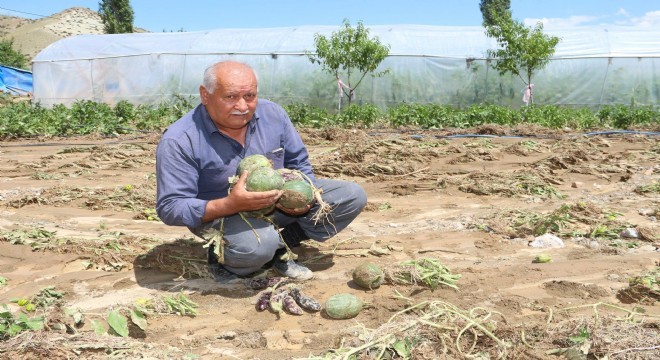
(343, 306)
(252, 162)
(297, 194)
(368, 276)
(289, 174)
(264, 179)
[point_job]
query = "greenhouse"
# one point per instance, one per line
(592, 66)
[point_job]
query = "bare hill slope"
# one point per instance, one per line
(32, 36)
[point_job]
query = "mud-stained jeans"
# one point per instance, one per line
(246, 253)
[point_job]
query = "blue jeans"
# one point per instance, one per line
(245, 253)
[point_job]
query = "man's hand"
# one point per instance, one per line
(242, 200)
(239, 200)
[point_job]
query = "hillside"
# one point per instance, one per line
(31, 36)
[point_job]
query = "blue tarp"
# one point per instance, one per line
(15, 81)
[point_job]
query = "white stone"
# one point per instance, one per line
(629, 233)
(547, 241)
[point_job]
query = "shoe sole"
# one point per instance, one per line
(306, 277)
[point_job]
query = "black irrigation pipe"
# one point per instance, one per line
(420, 136)
(595, 133)
(612, 132)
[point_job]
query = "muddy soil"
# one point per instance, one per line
(76, 214)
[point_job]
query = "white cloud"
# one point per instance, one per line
(650, 19)
(561, 22)
(622, 12)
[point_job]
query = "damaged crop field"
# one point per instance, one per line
(494, 242)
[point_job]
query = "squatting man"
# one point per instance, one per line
(199, 153)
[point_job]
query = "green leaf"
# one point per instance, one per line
(118, 323)
(14, 329)
(138, 319)
(3, 281)
(581, 337)
(35, 323)
(78, 317)
(402, 348)
(99, 328)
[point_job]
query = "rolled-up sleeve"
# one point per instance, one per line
(177, 177)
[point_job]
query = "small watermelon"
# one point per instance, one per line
(343, 306)
(264, 179)
(368, 275)
(289, 174)
(252, 162)
(297, 194)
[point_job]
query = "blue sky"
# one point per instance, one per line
(194, 15)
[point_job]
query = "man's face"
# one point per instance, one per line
(234, 100)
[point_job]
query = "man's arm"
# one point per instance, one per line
(176, 191)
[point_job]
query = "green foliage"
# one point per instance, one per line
(653, 188)
(11, 325)
(582, 336)
(554, 222)
(22, 119)
(117, 16)
(522, 50)
(46, 297)
(429, 272)
(99, 327)
(405, 346)
(12, 57)
(307, 115)
(557, 117)
(603, 231)
(621, 116)
(491, 114)
(118, 323)
(124, 110)
(530, 185)
(87, 117)
(367, 115)
(138, 318)
(180, 304)
(426, 116)
(27, 237)
(492, 10)
(349, 51)
(649, 279)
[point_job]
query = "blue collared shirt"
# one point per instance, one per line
(194, 160)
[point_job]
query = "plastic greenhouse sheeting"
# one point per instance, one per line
(15, 81)
(592, 66)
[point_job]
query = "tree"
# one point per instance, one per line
(117, 16)
(10, 56)
(490, 9)
(349, 51)
(522, 50)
